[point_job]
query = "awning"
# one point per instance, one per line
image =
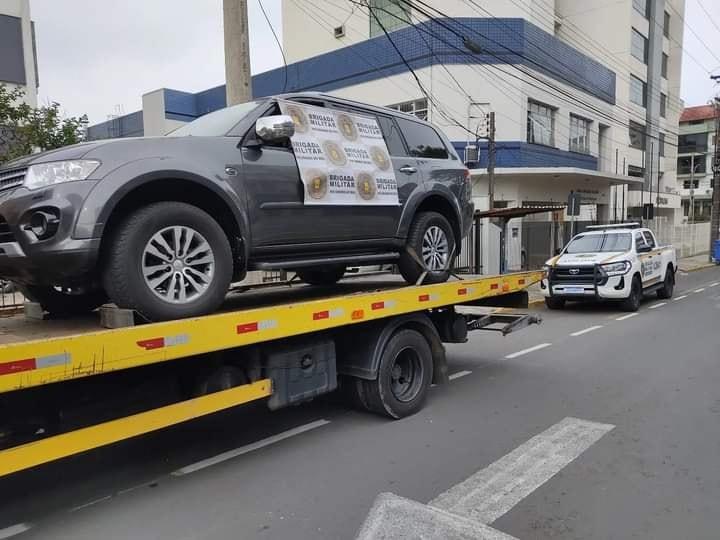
(550, 174)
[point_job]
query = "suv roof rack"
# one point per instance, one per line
(632, 225)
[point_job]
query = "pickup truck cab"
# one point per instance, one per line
(610, 262)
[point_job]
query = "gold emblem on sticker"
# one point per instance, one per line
(379, 158)
(317, 183)
(334, 153)
(347, 127)
(299, 118)
(365, 185)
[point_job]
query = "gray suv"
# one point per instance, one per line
(163, 225)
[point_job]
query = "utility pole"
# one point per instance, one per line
(238, 83)
(491, 160)
(715, 216)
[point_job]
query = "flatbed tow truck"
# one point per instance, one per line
(70, 386)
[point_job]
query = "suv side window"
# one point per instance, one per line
(422, 140)
(649, 239)
(393, 137)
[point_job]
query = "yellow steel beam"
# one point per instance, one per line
(45, 450)
(33, 363)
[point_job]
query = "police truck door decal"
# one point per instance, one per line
(342, 157)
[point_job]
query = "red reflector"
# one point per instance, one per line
(494, 286)
(357, 314)
(247, 327)
(506, 287)
(462, 292)
(521, 282)
(321, 315)
(150, 344)
(377, 305)
(423, 298)
(17, 366)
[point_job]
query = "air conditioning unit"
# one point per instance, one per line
(339, 31)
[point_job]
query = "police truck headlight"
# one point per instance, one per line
(617, 268)
(58, 172)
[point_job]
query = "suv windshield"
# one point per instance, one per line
(593, 243)
(217, 123)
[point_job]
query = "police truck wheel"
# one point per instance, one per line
(554, 303)
(321, 276)
(404, 376)
(666, 291)
(632, 302)
(168, 260)
(430, 248)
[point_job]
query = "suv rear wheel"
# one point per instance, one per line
(430, 248)
(321, 276)
(169, 260)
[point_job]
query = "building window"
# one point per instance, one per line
(579, 134)
(666, 25)
(417, 107)
(642, 7)
(663, 105)
(664, 66)
(661, 144)
(637, 135)
(691, 184)
(638, 46)
(693, 142)
(540, 124)
(389, 15)
(638, 91)
(692, 164)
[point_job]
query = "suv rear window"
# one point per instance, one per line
(423, 141)
(393, 139)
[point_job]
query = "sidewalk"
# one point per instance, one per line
(688, 264)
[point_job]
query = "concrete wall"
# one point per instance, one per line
(21, 10)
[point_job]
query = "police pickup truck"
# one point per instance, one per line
(610, 262)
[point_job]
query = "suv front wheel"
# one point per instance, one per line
(430, 248)
(169, 260)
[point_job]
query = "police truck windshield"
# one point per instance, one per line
(598, 243)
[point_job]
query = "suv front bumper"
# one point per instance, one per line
(597, 286)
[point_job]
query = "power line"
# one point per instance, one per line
(267, 19)
(710, 17)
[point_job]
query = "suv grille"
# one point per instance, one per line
(6, 234)
(12, 178)
(576, 274)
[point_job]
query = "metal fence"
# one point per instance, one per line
(10, 297)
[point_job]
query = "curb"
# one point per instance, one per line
(536, 302)
(696, 268)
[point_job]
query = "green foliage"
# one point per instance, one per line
(24, 129)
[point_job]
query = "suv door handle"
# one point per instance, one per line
(407, 169)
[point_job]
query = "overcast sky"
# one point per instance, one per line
(99, 56)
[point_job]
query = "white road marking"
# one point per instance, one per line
(493, 491)
(680, 297)
(91, 503)
(459, 374)
(701, 289)
(466, 510)
(230, 454)
(526, 351)
(586, 330)
(714, 284)
(13, 530)
(626, 317)
(659, 304)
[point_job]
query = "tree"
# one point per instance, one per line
(24, 129)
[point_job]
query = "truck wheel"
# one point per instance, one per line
(666, 291)
(404, 376)
(632, 302)
(321, 276)
(554, 303)
(168, 260)
(63, 302)
(432, 241)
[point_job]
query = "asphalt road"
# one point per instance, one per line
(654, 376)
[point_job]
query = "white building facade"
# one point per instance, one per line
(18, 58)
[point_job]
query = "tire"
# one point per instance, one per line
(63, 302)
(554, 303)
(423, 230)
(407, 353)
(668, 285)
(321, 276)
(632, 302)
(134, 245)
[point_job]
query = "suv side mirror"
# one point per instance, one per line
(275, 129)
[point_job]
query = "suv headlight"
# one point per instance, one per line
(57, 172)
(616, 268)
